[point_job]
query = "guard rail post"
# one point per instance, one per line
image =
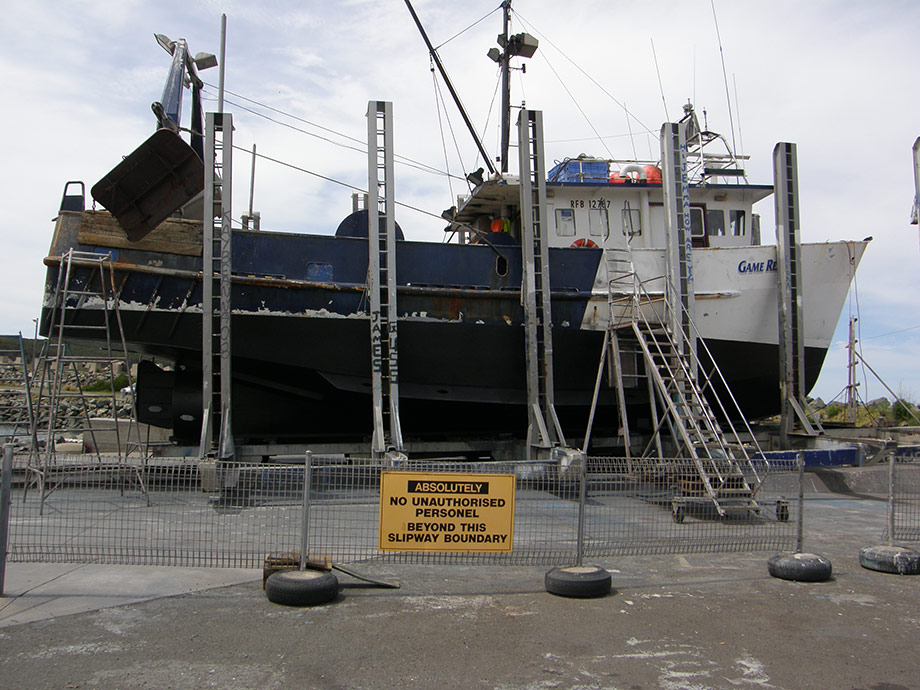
(305, 518)
(891, 448)
(582, 501)
(5, 488)
(800, 524)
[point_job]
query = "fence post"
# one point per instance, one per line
(5, 489)
(582, 500)
(891, 457)
(800, 525)
(305, 523)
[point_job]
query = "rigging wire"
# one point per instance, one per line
(632, 140)
(531, 27)
(437, 107)
(577, 104)
(440, 96)
(902, 330)
(403, 160)
(731, 123)
(660, 84)
(740, 151)
(478, 21)
(485, 128)
(331, 179)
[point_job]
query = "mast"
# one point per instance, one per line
(506, 84)
(521, 45)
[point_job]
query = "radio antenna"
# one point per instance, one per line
(731, 122)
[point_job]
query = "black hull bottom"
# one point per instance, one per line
(283, 403)
(308, 379)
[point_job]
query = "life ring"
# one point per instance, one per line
(582, 242)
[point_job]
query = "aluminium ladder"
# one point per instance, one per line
(16, 404)
(84, 302)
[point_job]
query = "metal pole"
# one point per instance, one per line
(506, 87)
(252, 180)
(305, 524)
(800, 525)
(891, 456)
(223, 52)
(582, 501)
(5, 509)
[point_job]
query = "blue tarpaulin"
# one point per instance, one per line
(579, 170)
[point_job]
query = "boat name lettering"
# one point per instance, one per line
(757, 266)
(685, 211)
(590, 203)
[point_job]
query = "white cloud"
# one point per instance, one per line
(834, 77)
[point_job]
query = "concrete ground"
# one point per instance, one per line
(676, 622)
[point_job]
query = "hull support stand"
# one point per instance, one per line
(381, 283)
(544, 433)
(216, 263)
(795, 411)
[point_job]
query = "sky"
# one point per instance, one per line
(838, 78)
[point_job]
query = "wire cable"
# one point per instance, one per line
(331, 179)
(403, 160)
(588, 76)
(478, 21)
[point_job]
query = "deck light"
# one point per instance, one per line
(475, 177)
(205, 60)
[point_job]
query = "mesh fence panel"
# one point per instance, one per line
(184, 513)
(905, 496)
(663, 506)
(169, 514)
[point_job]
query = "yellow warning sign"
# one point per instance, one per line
(421, 511)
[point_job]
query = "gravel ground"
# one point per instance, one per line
(677, 622)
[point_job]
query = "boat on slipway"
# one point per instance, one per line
(301, 353)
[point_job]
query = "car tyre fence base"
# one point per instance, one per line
(301, 587)
(899, 560)
(579, 581)
(799, 567)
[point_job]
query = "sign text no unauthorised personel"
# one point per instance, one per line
(424, 511)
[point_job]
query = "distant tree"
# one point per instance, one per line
(901, 411)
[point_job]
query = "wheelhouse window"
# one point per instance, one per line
(598, 222)
(715, 222)
(632, 220)
(737, 223)
(698, 226)
(565, 222)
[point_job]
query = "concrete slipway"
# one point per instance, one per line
(673, 622)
